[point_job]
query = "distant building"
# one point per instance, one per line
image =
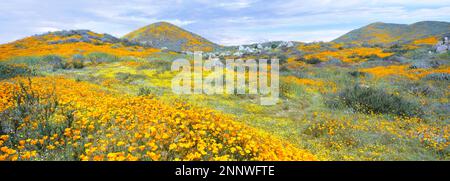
(443, 46)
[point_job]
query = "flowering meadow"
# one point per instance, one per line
(107, 100)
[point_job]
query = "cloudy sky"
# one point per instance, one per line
(227, 22)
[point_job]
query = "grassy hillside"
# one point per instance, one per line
(388, 33)
(163, 34)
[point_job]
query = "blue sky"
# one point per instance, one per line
(228, 22)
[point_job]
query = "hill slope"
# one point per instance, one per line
(163, 34)
(387, 33)
(68, 43)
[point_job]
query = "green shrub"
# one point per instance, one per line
(357, 74)
(99, 57)
(313, 61)
(426, 64)
(42, 110)
(78, 61)
(28, 60)
(370, 100)
(128, 77)
(32, 107)
(57, 62)
(11, 70)
(397, 49)
(418, 89)
(444, 56)
(437, 76)
(160, 65)
(145, 91)
(282, 58)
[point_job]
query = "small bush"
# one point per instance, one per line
(78, 61)
(372, 57)
(11, 70)
(27, 60)
(426, 64)
(55, 61)
(128, 77)
(313, 61)
(145, 91)
(437, 76)
(396, 49)
(419, 89)
(444, 56)
(368, 100)
(32, 107)
(334, 61)
(287, 90)
(357, 74)
(98, 57)
(160, 65)
(282, 58)
(43, 111)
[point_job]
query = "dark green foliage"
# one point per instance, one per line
(357, 74)
(396, 49)
(313, 61)
(145, 91)
(99, 57)
(78, 61)
(52, 59)
(372, 57)
(160, 65)
(9, 71)
(368, 100)
(282, 59)
(55, 61)
(127, 77)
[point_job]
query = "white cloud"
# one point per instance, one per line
(225, 22)
(235, 5)
(46, 29)
(179, 22)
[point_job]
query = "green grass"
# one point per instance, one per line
(303, 115)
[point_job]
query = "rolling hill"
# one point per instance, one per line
(70, 42)
(388, 33)
(163, 34)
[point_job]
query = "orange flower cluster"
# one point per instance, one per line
(349, 55)
(426, 41)
(301, 81)
(433, 137)
(39, 46)
(313, 85)
(403, 70)
(111, 126)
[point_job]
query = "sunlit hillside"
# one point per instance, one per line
(388, 33)
(69, 43)
(167, 35)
